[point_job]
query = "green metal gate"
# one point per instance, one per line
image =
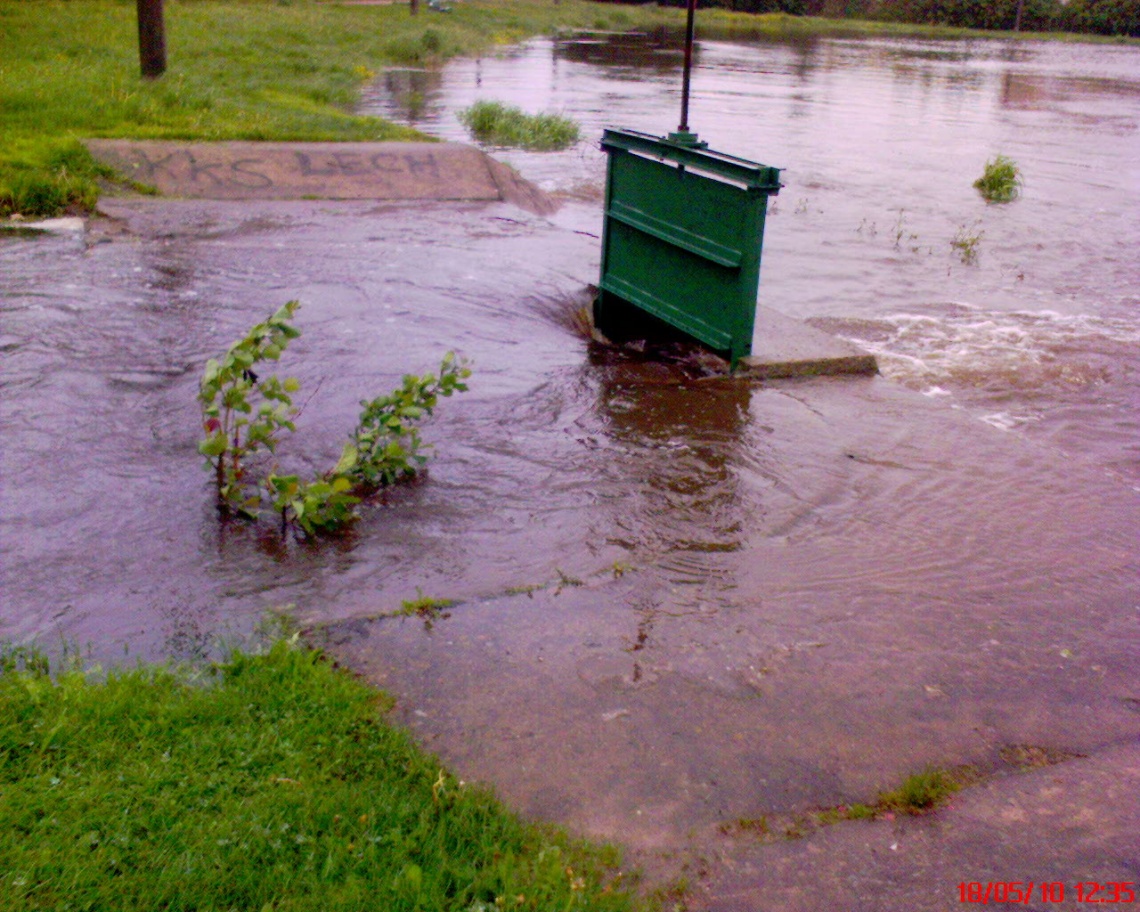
(682, 238)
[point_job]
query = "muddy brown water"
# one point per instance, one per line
(680, 600)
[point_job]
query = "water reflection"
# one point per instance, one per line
(627, 55)
(675, 436)
(411, 91)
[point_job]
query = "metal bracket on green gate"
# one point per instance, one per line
(683, 231)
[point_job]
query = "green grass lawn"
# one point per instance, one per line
(271, 782)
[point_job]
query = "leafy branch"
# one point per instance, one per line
(386, 440)
(243, 413)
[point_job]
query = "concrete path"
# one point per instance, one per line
(342, 171)
(1059, 837)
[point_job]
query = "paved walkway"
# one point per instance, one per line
(342, 171)
(1059, 837)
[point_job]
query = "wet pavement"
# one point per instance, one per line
(1059, 837)
(790, 680)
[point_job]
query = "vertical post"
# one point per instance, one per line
(1017, 19)
(152, 39)
(684, 127)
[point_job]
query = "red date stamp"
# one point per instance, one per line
(1019, 891)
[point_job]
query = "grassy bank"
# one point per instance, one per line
(268, 71)
(272, 783)
(236, 70)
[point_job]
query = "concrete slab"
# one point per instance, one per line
(786, 347)
(782, 347)
(1055, 838)
(343, 171)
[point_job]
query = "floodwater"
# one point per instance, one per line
(881, 142)
(680, 599)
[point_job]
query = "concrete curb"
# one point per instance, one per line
(339, 171)
(786, 347)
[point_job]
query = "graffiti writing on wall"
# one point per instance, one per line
(190, 170)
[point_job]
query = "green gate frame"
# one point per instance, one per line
(683, 232)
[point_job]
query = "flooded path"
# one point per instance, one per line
(680, 600)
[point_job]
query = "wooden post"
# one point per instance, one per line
(152, 39)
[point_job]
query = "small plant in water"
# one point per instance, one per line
(1000, 181)
(386, 444)
(620, 569)
(242, 412)
(497, 124)
(245, 412)
(902, 232)
(966, 243)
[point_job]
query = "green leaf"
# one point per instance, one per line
(213, 446)
(347, 460)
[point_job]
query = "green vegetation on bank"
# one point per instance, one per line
(237, 71)
(497, 124)
(293, 70)
(1113, 18)
(269, 782)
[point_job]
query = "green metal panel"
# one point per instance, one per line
(682, 238)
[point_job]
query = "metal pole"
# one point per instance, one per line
(152, 39)
(684, 127)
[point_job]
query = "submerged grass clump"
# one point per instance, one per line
(497, 124)
(271, 781)
(1000, 181)
(965, 242)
